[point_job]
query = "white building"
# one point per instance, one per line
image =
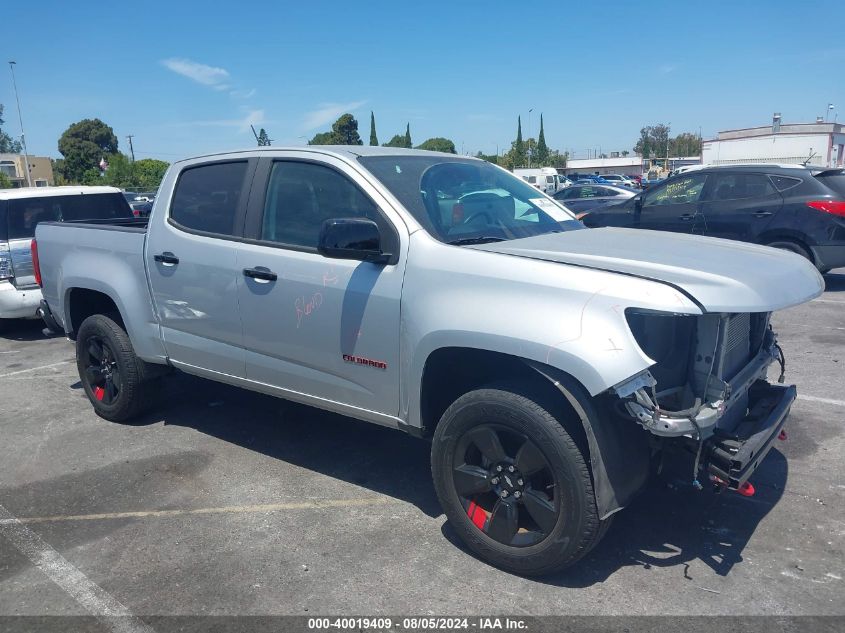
(818, 143)
(627, 166)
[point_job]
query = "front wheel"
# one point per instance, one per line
(513, 483)
(111, 375)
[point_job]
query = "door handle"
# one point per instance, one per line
(762, 214)
(260, 273)
(167, 258)
(687, 216)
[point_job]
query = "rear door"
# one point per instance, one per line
(673, 205)
(325, 328)
(739, 205)
(192, 262)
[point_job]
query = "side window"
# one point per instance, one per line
(206, 197)
(739, 186)
(300, 196)
(782, 183)
(681, 190)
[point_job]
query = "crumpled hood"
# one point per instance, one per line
(721, 275)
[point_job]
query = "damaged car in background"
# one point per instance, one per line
(552, 366)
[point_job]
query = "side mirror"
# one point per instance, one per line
(351, 238)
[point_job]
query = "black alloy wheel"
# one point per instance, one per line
(506, 485)
(101, 370)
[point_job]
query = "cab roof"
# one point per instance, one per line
(44, 192)
(343, 151)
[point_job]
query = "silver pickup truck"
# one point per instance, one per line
(551, 366)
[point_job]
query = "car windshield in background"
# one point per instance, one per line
(23, 214)
(465, 201)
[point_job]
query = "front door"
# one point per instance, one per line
(192, 260)
(324, 328)
(673, 205)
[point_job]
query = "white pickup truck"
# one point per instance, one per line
(549, 364)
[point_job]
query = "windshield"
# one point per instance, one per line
(462, 200)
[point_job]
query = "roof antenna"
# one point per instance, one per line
(810, 157)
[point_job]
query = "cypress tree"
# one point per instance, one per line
(373, 137)
(542, 148)
(408, 143)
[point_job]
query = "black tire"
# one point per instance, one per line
(112, 376)
(793, 247)
(568, 526)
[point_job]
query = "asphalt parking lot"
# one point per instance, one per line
(226, 502)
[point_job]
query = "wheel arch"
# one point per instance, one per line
(618, 454)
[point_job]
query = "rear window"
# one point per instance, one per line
(834, 181)
(24, 214)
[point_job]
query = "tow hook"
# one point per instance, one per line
(782, 436)
(746, 489)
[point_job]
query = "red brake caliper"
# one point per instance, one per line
(477, 515)
(99, 393)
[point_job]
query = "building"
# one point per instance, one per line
(817, 143)
(625, 166)
(40, 170)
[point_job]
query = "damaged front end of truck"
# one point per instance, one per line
(708, 392)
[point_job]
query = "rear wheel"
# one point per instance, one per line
(792, 247)
(111, 375)
(513, 483)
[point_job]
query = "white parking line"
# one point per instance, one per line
(839, 403)
(827, 301)
(26, 371)
(105, 607)
(266, 507)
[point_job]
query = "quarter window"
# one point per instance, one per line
(300, 196)
(206, 197)
(681, 190)
(740, 186)
(782, 183)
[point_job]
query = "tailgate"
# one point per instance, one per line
(23, 274)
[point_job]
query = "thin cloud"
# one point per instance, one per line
(210, 76)
(253, 117)
(328, 112)
(665, 69)
(242, 94)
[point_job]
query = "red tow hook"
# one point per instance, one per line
(746, 489)
(782, 436)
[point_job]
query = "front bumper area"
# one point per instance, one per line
(732, 457)
(18, 303)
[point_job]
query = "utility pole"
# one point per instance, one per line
(131, 149)
(12, 65)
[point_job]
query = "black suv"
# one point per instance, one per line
(801, 209)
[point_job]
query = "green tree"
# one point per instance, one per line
(542, 153)
(8, 145)
(654, 139)
(148, 173)
(5, 181)
(686, 144)
(373, 137)
(120, 172)
(398, 140)
(438, 144)
(83, 144)
(408, 142)
(263, 139)
(625, 152)
(323, 138)
(517, 153)
(344, 132)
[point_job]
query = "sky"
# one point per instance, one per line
(186, 78)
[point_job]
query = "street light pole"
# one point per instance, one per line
(12, 65)
(530, 110)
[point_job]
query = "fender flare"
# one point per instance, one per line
(620, 453)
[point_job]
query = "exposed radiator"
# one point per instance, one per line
(736, 344)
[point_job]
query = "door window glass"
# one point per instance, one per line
(682, 190)
(206, 197)
(739, 186)
(300, 196)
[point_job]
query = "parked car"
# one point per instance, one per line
(580, 198)
(795, 208)
(619, 180)
(585, 178)
(20, 211)
(141, 208)
(545, 179)
(443, 296)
